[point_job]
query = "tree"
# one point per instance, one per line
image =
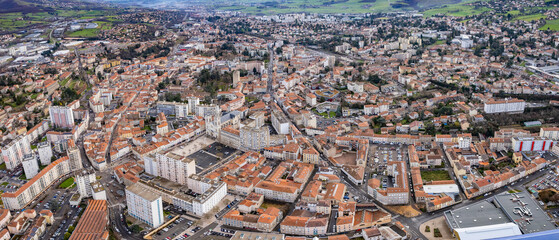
(67, 235)
(71, 229)
(135, 228)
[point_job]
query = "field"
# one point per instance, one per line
(67, 183)
(329, 6)
(551, 25)
(11, 21)
(92, 32)
(436, 175)
(531, 17)
(458, 10)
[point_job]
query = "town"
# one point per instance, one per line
(218, 124)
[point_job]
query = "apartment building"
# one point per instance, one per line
(74, 155)
(280, 122)
(61, 116)
(396, 194)
(254, 138)
(504, 106)
(13, 152)
(307, 226)
(551, 133)
(30, 165)
(173, 167)
(83, 180)
(144, 205)
(29, 191)
(44, 150)
(528, 144)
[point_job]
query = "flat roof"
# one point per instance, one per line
(479, 214)
(489, 232)
(525, 212)
(142, 192)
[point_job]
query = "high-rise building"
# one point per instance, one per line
(144, 205)
(174, 167)
(30, 165)
(83, 181)
(45, 152)
(236, 78)
(280, 122)
(254, 138)
(62, 117)
(12, 154)
(75, 156)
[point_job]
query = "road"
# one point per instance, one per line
(200, 233)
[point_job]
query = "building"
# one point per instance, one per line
(98, 190)
(144, 205)
(479, 220)
(396, 192)
(12, 154)
(42, 181)
(504, 106)
(280, 122)
(211, 193)
(521, 209)
(241, 235)
(93, 223)
(75, 156)
(550, 133)
(254, 138)
(30, 165)
(61, 117)
(528, 144)
(45, 152)
(83, 180)
(174, 167)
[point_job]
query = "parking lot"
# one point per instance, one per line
(211, 155)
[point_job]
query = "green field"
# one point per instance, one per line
(92, 32)
(320, 6)
(458, 10)
(551, 25)
(437, 175)
(531, 17)
(85, 33)
(67, 183)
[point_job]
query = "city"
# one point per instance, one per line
(288, 120)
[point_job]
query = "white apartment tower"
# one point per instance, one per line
(174, 167)
(30, 165)
(144, 205)
(12, 154)
(74, 155)
(45, 153)
(83, 181)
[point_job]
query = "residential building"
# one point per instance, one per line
(61, 117)
(144, 205)
(12, 154)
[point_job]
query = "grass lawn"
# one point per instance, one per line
(86, 33)
(437, 175)
(531, 17)
(64, 82)
(551, 25)
(67, 183)
(458, 10)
